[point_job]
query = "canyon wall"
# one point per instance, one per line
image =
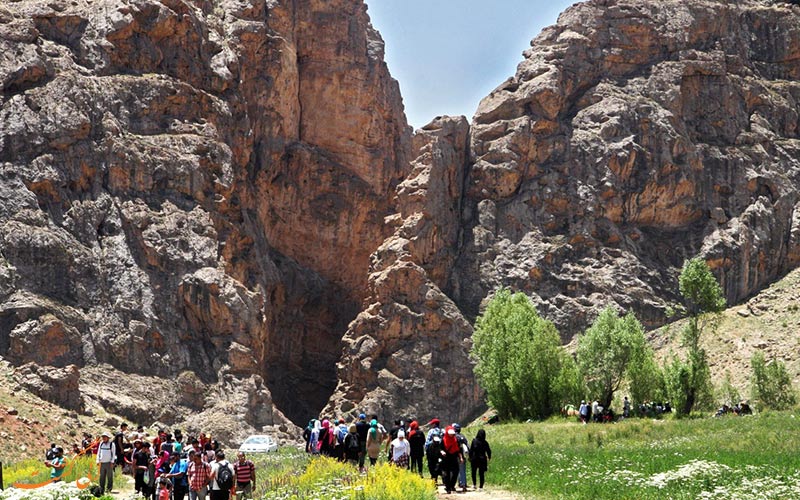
(223, 199)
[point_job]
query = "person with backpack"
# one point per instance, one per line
(352, 447)
(479, 455)
(222, 477)
(374, 439)
(416, 439)
(341, 433)
(433, 449)
(245, 476)
(56, 464)
(105, 459)
(362, 428)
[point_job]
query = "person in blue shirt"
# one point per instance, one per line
(57, 465)
(177, 474)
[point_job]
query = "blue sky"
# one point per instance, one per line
(449, 54)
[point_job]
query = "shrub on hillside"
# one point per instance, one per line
(771, 384)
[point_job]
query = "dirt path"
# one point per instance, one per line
(488, 493)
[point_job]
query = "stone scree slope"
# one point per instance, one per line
(226, 194)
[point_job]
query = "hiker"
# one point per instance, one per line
(307, 435)
(374, 439)
(479, 455)
(106, 457)
(433, 449)
(245, 476)
(56, 463)
(149, 486)
(140, 460)
(362, 428)
(222, 477)
(400, 450)
(177, 474)
(327, 439)
(462, 464)
(198, 473)
(626, 407)
(313, 442)
(352, 448)
(452, 456)
(341, 433)
(583, 410)
(416, 439)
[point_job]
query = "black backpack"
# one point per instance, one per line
(353, 444)
(224, 476)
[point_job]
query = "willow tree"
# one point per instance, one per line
(608, 349)
(518, 357)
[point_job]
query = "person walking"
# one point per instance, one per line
(198, 473)
(106, 458)
(352, 448)
(433, 449)
(400, 450)
(222, 477)
(451, 459)
(374, 439)
(245, 476)
(119, 444)
(462, 464)
(177, 474)
(362, 428)
(479, 455)
(416, 439)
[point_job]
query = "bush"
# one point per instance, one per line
(771, 385)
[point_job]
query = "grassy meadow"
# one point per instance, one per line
(707, 458)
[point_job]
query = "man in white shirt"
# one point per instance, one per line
(106, 456)
(218, 490)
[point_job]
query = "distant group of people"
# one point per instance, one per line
(597, 413)
(166, 467)
(740, 409)
(405, 445)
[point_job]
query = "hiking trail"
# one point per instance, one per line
(488, 493)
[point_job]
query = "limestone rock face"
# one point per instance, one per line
(193, 186)
(57, 385)
(223, 197)
(408, 351)
(635, 135)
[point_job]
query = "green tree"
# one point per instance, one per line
(703, 301)
(771, 384)
(607, 350)
(568, 386)
(518, 357)
(646, 379)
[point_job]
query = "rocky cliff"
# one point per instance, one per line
(633, 136)
(191, 190)
(225, 194)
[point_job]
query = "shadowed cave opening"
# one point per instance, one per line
(302, 353)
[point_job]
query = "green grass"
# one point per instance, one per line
(730, 457)
(34, 472)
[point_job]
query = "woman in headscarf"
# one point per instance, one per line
(416, 439)
(327, 439)
(479, 455)
(352, 450)
(307, 435)
(451, 458)
(314, 441)
(374, 439)
(400, 450)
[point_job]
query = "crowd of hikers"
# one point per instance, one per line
(404, 445)
(166, 467)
